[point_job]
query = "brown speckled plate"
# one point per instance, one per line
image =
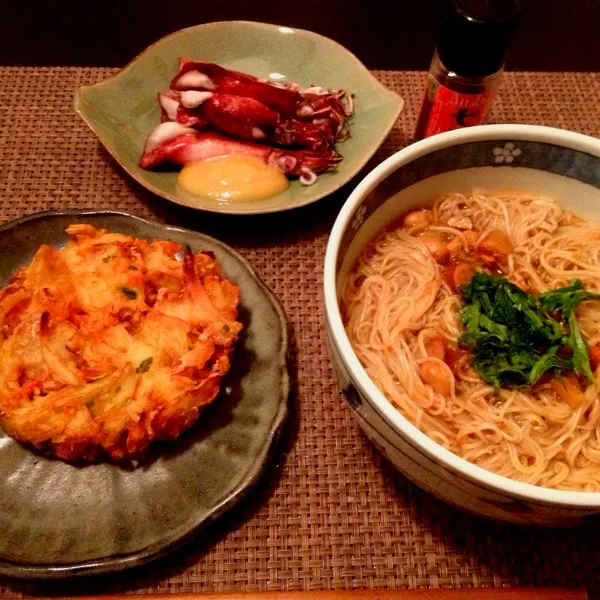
(59, 520)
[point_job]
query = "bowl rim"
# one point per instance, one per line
(377, 85)
(385, 409)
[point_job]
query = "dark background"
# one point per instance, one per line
(554, 35)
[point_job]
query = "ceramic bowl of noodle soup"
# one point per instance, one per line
(462, 296)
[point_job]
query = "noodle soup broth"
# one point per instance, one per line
(402, 302)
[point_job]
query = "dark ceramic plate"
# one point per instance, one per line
(59, 520)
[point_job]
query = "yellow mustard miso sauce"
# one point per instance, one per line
(237, 178)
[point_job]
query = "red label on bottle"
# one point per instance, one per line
(453, 110)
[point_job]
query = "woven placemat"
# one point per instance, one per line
(331, 513)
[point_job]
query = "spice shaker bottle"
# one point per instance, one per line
(467, 65)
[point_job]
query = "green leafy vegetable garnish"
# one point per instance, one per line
(131, 294)
(513, 336)
(145, 365)
(564, 301)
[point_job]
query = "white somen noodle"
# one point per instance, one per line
(396, 299)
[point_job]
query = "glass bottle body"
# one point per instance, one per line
(453, 101)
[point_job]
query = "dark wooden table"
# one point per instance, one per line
(555, 35)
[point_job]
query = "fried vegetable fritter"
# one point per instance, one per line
(111, 343)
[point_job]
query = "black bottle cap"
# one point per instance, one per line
(474, 35)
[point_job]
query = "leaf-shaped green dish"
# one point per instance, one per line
(123, 109)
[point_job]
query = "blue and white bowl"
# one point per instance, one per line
(542, 160)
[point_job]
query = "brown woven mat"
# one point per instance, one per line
(332, 513)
